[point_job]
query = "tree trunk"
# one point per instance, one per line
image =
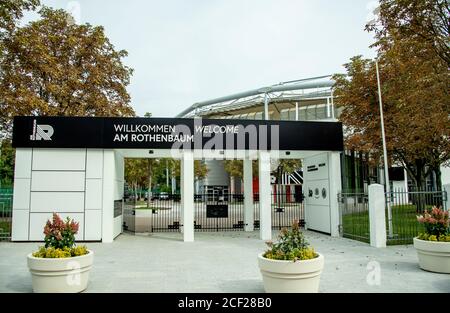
(419, 177)
(135, 192)
(437, 172)
(438, 200)
(149, 183)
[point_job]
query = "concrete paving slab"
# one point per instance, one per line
(227, 262)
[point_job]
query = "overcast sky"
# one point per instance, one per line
(185, 51)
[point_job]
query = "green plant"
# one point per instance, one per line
(441, 238)
(59, 233)
(55, 253)
(291, 245)
(436, 223)
(60, 239)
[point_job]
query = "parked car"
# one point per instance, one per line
(164, 196)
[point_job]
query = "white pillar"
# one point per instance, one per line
(447, 189)
(334, 176)
(248, 196)
(108, 196)
(265, 210)
(187, 195)
(174, 184)
(377, 217)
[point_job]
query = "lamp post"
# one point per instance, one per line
(386, 169)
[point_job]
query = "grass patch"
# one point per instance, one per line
(404, 225)
(5, 227)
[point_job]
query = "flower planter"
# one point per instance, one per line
(433, 256)
(60, 274)
(291, 277)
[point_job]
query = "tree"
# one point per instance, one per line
(416, 106)
(6, 163)
(200, 168)
(425, 20)
(54, 67)
(136, 173)
(11, 11)
(235, 167)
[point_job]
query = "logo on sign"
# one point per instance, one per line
(41, 132)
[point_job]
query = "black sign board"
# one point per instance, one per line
(167, 133)
(216, 210)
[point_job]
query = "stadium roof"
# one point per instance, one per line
(303, 91)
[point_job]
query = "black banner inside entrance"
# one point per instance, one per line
(167, 133)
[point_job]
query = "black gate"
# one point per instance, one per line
(212, 212)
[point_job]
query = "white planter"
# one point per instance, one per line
(289, 276)
(433, 256)
(60, 275)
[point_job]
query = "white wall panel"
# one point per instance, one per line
(57, 181)
(93, 225)
(94, 164)
(38, 220)
(20, 225)
(319, 162)
(318, 218)
(57, 202)
(59, 159)
(320, 192)
(317, 192)
(23, 163)
(21, 197)
(93, 194)
(118, 225)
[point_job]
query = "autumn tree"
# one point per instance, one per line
(425, 20)
(416, 106)
(136, 174)
(11, 11)
(235, 167)
(55, 67)
(200, 168)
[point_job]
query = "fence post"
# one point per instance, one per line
(249, 215)
(447, 191)
(377, 216)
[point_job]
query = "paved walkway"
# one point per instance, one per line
(226, 262)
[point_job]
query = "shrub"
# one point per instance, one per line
(436, 223)
(59, 233)
(55, 253)
(60, 239)
(291, 246)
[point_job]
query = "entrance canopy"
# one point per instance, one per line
(176, 134)
(75, 166)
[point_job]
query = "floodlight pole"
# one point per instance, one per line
(386, 169)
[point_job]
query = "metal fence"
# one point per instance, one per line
(6, 197)
(211, 212)
(405, 207)
(354, 215)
